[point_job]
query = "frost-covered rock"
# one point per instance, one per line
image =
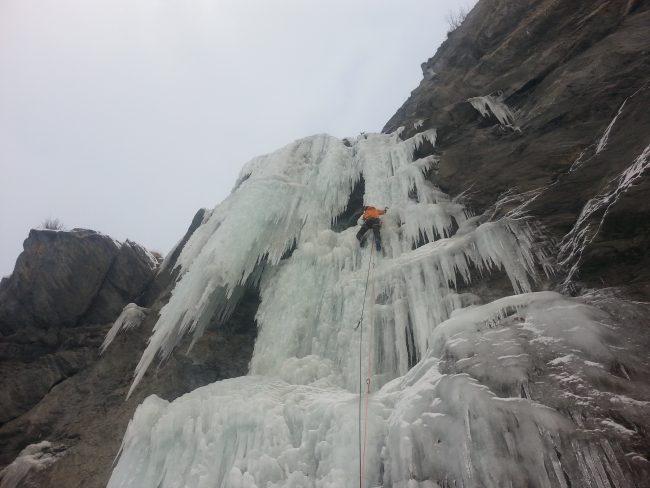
(582, 114)
(31, 460)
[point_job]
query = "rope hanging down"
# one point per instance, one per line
(362, 448)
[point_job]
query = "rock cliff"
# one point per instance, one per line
(55, 310)
(540, 108)
(573, 78)
(64, 286)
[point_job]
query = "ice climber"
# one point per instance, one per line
(371, 221)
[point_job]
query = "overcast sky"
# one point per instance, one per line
(126, 116)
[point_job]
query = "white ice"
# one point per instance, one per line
(490, 105)
(131, 316)
(450, 401)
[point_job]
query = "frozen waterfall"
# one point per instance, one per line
(452, 402)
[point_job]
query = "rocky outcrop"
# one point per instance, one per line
(63, 285)
(87, 413)
(571, 80)
(56, 278)
(34, 361)
(66, 279)
(56, 388)
(131, 271)
(53, 309)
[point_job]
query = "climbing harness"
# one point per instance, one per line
(362, 446)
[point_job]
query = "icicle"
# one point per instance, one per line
(489, 105)
(132, 316)
(449, 371)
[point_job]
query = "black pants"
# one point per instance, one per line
(373, 224)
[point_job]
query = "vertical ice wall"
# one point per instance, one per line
(273, 207)
(451, 401)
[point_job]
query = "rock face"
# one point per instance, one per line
(86, 415)
(65, 286)
(55, 310)
(55, 279)
(65, 279)
(574, 77)
(131, 271)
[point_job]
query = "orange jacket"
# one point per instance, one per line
(372, 213)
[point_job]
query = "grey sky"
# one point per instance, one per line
(126, 116)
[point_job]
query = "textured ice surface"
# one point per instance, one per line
(441, 421)
(461, 394)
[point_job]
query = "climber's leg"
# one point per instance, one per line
(375, 231)
(361, 234)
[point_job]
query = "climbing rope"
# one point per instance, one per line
(362, 447)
